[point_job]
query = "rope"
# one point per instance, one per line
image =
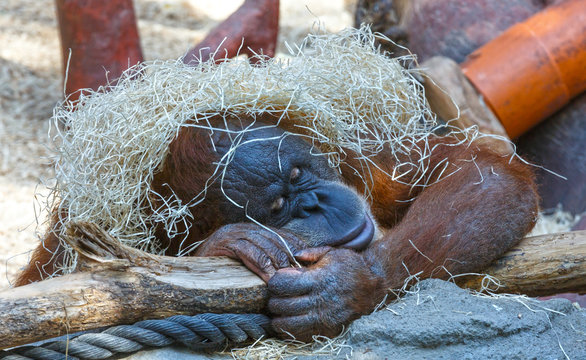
(203, 331)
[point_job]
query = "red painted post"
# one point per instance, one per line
(253, 28)
(99, 40)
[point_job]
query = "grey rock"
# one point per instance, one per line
(443, 321)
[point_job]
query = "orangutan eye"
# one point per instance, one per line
(295, 172)
(278, 204)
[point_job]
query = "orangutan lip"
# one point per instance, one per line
(361, 236)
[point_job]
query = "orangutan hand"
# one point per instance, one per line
(262, 251)
(322, 298)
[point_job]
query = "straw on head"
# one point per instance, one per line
(339, 89)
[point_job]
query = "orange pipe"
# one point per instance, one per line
(534, 68)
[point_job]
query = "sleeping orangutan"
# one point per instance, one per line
(352, 251)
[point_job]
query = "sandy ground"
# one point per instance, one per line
(30, 86)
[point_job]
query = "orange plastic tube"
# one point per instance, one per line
(534, 68)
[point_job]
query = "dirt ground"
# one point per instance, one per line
(30, 86)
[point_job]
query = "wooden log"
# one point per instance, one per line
(120, 285)
(539, 266)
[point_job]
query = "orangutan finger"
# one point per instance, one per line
(274, 249)
(312, 255)
(290, 282)
(254, 258)
(290, 306)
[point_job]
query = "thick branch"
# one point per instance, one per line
(540, 265)
(119, 285)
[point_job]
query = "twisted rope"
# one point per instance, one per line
(203, 331)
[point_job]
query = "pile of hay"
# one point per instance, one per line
(340, 89)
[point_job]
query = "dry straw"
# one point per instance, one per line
(341, 91)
